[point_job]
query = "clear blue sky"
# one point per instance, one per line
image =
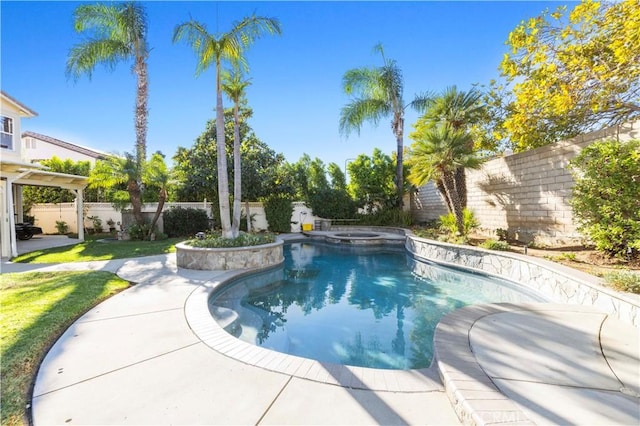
(296, 89)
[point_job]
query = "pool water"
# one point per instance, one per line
(363, 306)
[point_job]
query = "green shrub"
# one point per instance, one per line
(431, 233)
(624, 281)
(495, 245)
(448, 224)
(605, 197)
(503, 234)
(278, 210)
(181, 222)
(331, 203)
(62, 227)
(161, 236)
(97, 223)
(386, 217)
(138, 232)
(243, 240)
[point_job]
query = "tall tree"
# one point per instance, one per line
(234, 87)
(337, 176)
(571, 72)
(116, 33)
(376, 93)
(261, 167)
(308, 175)
(436, 154)
(371, 180)
(217, 49)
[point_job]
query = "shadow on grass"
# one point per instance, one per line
(21, 360)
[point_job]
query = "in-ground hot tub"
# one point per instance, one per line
(357, 236)
(362, 238)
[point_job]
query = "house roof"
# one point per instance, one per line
(67, 145)
(25, 111)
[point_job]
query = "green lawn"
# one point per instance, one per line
(99, 250)
(36, 309)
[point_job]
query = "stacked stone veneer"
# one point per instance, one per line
(559, 283)
(525, 193)
(213, 259)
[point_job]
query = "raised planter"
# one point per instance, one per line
(216, 259)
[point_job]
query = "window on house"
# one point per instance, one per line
(6, 132)
(30, 143)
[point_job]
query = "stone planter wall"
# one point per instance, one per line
(559, 283)
(213, 259)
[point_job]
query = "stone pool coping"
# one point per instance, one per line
(558, 282)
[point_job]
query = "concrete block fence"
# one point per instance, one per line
(526, 193)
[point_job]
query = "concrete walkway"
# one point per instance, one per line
(135, 359)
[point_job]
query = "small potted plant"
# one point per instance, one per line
(112, 226)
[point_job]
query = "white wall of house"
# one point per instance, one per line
(35, 149)
(10, 131)
(11, 113)
(47, 214)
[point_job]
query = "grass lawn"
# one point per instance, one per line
(36, 309)
(93, 249)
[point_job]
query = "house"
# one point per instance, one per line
(37, 147)
(15, 171)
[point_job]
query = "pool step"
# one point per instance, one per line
(224, 316)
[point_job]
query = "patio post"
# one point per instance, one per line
(80, 216)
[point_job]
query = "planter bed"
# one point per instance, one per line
(215, 259)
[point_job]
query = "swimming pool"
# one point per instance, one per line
(373, 307)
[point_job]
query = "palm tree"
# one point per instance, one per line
(460, 110)
(436, 154)
(378, 93)
(115, 171)
(214, 49)
(116, 33)
(234, 87)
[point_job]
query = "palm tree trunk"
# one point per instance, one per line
(237, 173)
(443, 193)
(248, 213)
(223, 178)
(448, 180)
(135, 194)
(141, 116)
(461, 185)
(398, 126)
(142, 112)
(162, 197)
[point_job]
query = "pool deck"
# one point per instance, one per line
(135, 359)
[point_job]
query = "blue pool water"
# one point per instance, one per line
(362, 306)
